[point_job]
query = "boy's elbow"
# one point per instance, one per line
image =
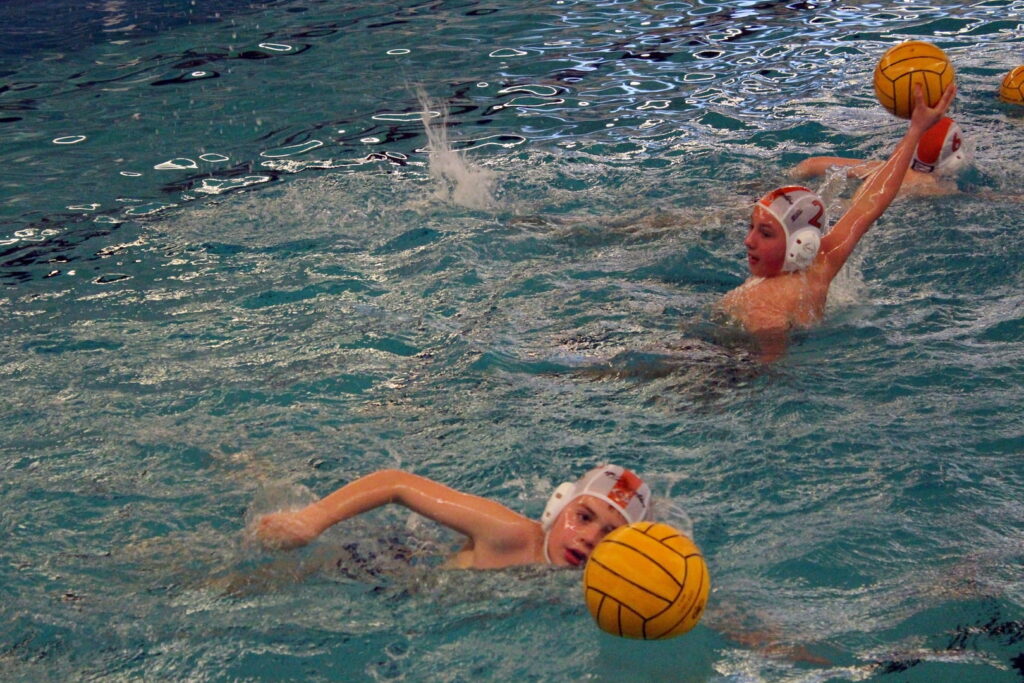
(398, 485)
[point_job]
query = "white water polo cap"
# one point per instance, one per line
(801, 213)
(617, 486)
(941, 149)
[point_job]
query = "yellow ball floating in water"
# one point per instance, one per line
(904, 65)
(646, 580)
(1012, 88)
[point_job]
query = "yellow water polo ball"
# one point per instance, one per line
(904, 65)
(646, 580)
(1012, 88)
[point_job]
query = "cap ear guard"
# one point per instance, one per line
(952, 163)
(556, 503)
(801, 248)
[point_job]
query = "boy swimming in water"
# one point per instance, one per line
(939, 156)
(577, 516)
(792, 264)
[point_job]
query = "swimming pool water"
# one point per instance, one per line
(234, 279)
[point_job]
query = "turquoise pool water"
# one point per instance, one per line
(233, 279)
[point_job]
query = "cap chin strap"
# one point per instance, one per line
(561, 497)
(565, 492)
(949, 165)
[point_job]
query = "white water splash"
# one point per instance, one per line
(458, 180)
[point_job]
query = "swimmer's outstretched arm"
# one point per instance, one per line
(484, 521)
(914, 182)
(878, 191)
(812, 167)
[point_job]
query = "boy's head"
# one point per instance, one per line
(579, 514)
(941, 149)
(785, 231)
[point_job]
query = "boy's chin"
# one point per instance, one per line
(574, 559)
(759, 269)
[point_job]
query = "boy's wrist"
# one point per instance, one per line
(916, 130)
(317, 515)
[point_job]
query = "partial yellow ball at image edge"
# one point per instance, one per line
(1012, 87)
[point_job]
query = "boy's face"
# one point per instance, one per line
(578, 528)
(765, 243)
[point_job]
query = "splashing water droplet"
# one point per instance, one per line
(459, 180)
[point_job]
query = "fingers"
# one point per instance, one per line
(942, 104)
(943, 101)
(925, 115)
(918, 97)
(947, 97)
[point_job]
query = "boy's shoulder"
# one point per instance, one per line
(777, 303)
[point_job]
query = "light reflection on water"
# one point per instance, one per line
(189, 331)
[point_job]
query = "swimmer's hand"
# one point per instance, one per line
(922, 115)
(284, 530)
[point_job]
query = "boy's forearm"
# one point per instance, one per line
(361, 495)
(890, 177)
(884, 183)
(468, 514)
(816, 166)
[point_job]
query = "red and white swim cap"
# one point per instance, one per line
(801, 213)
(617, 486)
(941, 149)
